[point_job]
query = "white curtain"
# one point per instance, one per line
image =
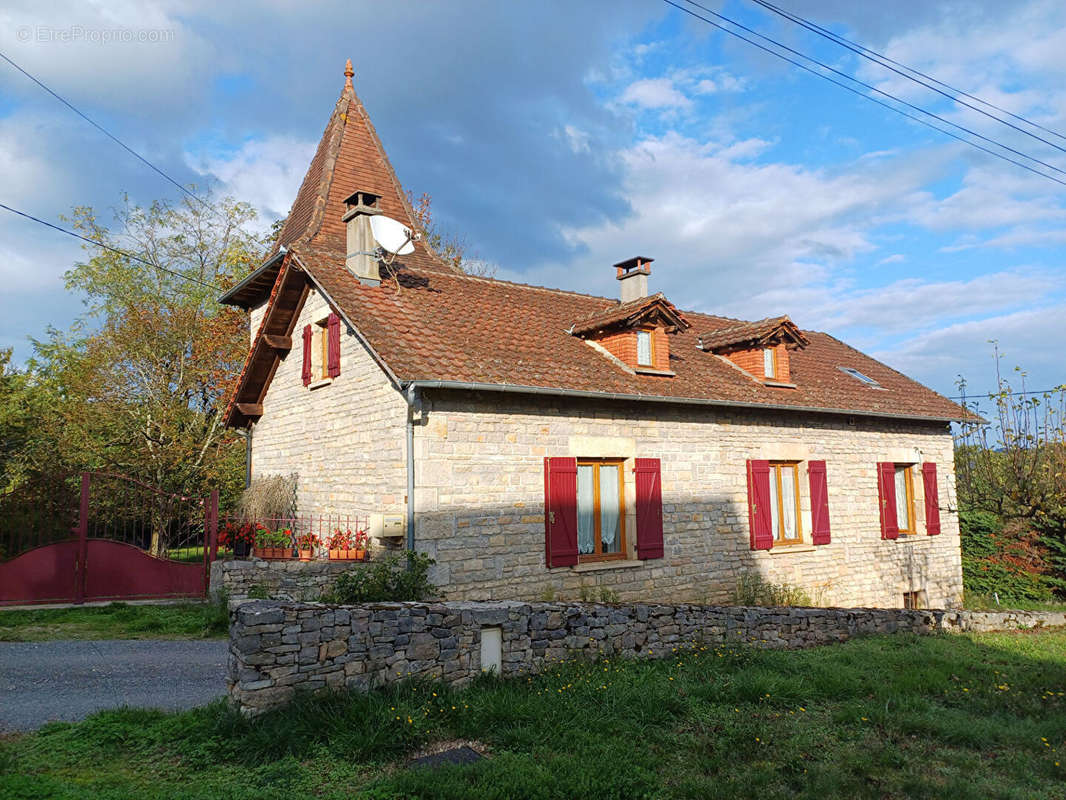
(788, 502)
(585, 509)
(609, 507)
(643, 347)
(903, 517)
(775, 512)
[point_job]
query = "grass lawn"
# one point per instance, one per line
(116, 621)
(980, 716)
(986, 602)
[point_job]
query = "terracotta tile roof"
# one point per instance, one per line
(630, 312)
(753, 332)
(440, 327)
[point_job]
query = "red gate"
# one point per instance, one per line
(109, 538)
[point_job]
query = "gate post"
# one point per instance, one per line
(210, 537)
(83, 541)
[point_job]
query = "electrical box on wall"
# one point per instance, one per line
(384, 526)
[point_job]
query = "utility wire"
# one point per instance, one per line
(870, 56)
(825, 31)
(853, 90)
(994, 395)
(112, 137)
(109, 247)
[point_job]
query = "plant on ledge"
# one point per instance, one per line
(273, 544)
(399, 576)
(238, 538)
(306, 544)
(347, 545)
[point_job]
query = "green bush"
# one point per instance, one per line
(392, 578)
(753, 590)
(996, 561)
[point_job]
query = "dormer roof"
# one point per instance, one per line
(642, 311)
(772, 330)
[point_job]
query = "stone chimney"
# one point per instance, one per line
(633, 273)
(362, 260)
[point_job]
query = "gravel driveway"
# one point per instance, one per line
(44, 681)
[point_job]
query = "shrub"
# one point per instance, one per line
(392, 578)
(753, 590)
(1006, 561)
(269, 497)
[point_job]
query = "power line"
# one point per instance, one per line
(887, 63)
(112, 137)
(994, 395)
(109, 247)
(855, 91)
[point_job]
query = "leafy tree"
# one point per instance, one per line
(142, 377)
(452, 249)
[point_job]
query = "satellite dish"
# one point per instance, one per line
(392, 235)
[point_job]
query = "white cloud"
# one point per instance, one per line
(895, 258)
(264, 172)
(655, 93)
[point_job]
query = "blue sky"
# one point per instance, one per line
(558, 138)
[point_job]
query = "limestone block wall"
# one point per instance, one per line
(344, 438)
(480, 492)
(277, 648)
(278, 580)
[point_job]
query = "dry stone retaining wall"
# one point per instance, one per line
(279, 647)
(279, 580)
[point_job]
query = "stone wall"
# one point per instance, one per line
(343, 437)
(278, 580)
(479, 500)
(277, 648)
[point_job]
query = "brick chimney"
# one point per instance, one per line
(633, 273)
(362, 260)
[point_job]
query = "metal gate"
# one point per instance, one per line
(104, 537)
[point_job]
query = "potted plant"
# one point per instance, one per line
(262, 541)
(306, 544)
(272, 544)
(282, 541)
(339, 545)
(239, 539)
(359, 543)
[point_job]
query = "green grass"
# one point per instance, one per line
(985, 602)
(116, 621)
(980, 716)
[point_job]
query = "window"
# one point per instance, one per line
(769, 362)
(601, 529)
(912, 600)
(644, 349)
(860, 377)
(905, 499)
(784, 503)
(322, 337)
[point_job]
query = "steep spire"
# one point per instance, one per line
(349, 158)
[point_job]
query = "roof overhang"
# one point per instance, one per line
(256, 287)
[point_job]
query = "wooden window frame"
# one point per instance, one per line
(912, 518)
(651, 347)
(322, 334)
(773, 360)
(597, 553)
(912, 600)
(775, 475)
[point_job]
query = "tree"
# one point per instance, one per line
(452, 249)
(143, 376)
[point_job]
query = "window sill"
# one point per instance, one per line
(781, 549)
(663, 373)
(912, 538)
(320, 383)
(617, 563)
(779, 384)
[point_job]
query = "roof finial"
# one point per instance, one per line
(348, 73)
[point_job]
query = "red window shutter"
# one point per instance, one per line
(649, 508)
(759, 519)
(886, 497)
(560, 511)
(307, 355)
(932, 499)
(819, 502)
(333, 331)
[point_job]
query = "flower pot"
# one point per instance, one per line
(360, 554)
(240, 549)
(306, 555)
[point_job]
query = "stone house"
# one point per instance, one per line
(542, 443)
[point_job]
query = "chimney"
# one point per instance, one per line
(633, 273)
(362, 259)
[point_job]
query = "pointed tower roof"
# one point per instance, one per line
(349, 158)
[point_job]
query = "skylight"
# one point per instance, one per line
(859, 376)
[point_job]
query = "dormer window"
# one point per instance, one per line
(644, 349)
(769, 362)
